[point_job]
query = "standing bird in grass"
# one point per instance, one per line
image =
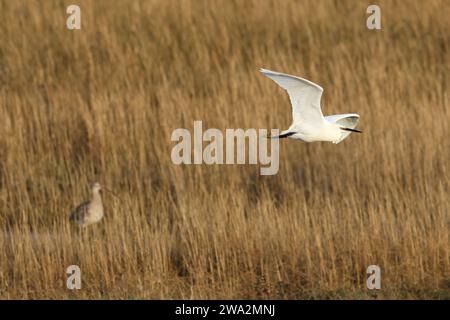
(309, 124)
(91, 211)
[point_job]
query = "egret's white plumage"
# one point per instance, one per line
(309, 124)
(91, 211)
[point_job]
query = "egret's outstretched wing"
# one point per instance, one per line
(348, 120)
(304, 95)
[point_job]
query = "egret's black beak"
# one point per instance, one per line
(352, 130)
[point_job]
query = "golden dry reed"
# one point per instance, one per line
(100, 104)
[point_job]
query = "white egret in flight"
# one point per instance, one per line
(309, 124)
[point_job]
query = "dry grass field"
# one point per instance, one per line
(100, 104)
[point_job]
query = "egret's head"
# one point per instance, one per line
(96, 187)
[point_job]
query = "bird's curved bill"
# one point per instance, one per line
(115, 195)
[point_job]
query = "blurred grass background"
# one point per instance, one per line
(101, 103)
